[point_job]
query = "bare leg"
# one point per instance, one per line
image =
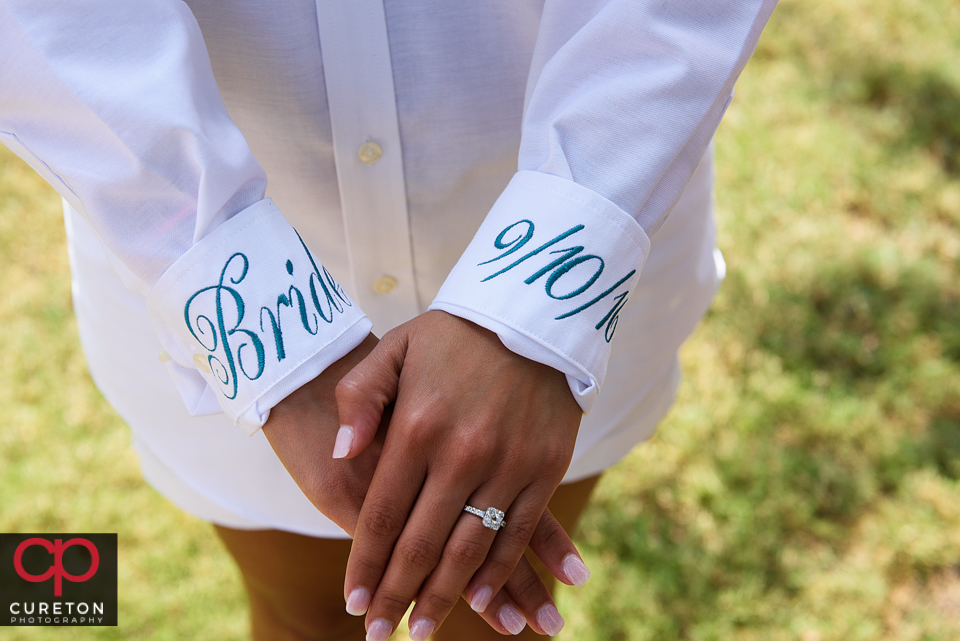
(295, 585)
(295, 582)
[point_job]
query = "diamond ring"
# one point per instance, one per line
(492, 517)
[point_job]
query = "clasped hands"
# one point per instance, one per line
(436, 415)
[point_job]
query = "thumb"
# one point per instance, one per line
(364, 393)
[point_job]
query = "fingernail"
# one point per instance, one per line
(550, 620)
(379, 630)
(358, 601)
(511, 619)
(421, 629)
(481, 598)
(344, 440)
(575, 570)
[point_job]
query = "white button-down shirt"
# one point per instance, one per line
(160, 124)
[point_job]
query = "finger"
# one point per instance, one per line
(364, 393)
(523, 600)
(549, 541)
(464, 552)
(385, 510)
(510, 543)
(557, 552)
(535, 602)
(501, 613)
(431, 541)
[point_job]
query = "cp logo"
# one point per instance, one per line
(56, 570)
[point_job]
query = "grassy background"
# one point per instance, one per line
(806, 484)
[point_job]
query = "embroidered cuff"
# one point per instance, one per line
(252, 312)
(549, 270)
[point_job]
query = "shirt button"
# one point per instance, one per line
(369, 152)
(201, 362)
(164, 356)
(385, 284)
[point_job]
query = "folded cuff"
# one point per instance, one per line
(248, 315)
(549, 270)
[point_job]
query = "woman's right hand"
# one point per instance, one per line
(302, 429)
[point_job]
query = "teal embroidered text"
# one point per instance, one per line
(220, 337)
(568, 260)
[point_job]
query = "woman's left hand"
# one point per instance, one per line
(473, 424)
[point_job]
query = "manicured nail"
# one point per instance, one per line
(358, 601)
(550, 620)
(511, 619)
(421, 629)
(379, 630)
(575, 570)
(481, 598)
(344, 440)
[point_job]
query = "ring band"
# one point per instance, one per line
(492, 517)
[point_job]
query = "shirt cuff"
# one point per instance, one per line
(549, 270)
(248, 315)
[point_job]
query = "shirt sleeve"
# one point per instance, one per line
(622, 101)
(114, 103)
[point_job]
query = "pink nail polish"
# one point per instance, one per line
(481, 598)
(379, 630)
(575, 570)
(511, 619)
(358, 601)
(550, 620)
(421, 629)
(344, 441)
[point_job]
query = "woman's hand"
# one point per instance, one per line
(302, 431)
(473, 424)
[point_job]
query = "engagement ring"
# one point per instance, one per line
(492, 517)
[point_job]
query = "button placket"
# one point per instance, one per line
(366, 141)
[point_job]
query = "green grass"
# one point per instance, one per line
(65, 460)
(807, 484)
